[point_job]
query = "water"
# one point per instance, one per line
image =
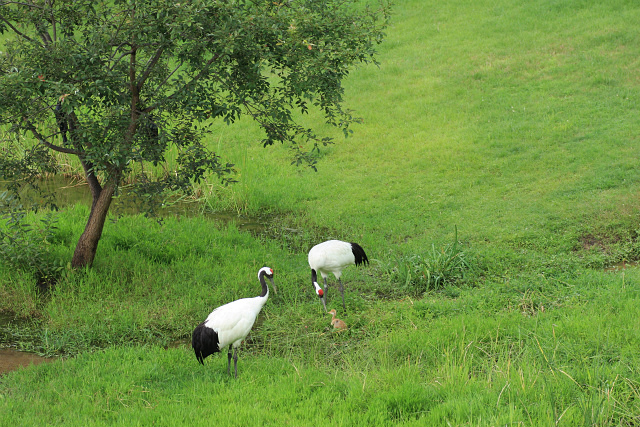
(71, 191)
(11, 359)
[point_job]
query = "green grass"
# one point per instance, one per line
(512, 122)
(544, 356)
(491, 117)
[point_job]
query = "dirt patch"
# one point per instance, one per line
(11, 360)
(590, 242)
(623, 265)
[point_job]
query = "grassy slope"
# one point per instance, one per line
(506, 120)
(514, 122)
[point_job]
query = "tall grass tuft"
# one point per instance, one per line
(430, 271)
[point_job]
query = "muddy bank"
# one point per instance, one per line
(11, 360)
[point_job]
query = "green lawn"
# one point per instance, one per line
(513, 122)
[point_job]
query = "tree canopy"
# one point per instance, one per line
(118, 83)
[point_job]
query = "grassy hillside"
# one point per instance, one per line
(512, 122)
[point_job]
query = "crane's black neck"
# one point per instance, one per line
(265, 288)
(314, 276)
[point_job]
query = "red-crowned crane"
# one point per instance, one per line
(331, 257)
(229, 324)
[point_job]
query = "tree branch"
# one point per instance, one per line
(148, 67)
(73, 135)
(15, 30)
(115, 36)
(113, 65)
(175, 94)
(21, 4)
(92, 180)
(153, 107)
(53, 22)
(44, 34)
(30, 127)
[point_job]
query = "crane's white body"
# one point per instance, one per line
(233, 321)
(229, 324)
(331, 257)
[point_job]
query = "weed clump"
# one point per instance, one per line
(433, 270)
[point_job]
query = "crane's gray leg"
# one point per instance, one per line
(324, 295)
(229, 361)
(342, 293)
(235, 360)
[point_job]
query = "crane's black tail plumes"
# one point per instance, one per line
(358, 253)
(204, 342)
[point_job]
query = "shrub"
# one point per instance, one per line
(27, 247)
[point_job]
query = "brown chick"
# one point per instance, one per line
(338, 325)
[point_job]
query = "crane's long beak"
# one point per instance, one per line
(320, 293)
(275, 290)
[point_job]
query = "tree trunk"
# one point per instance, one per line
(88, 244)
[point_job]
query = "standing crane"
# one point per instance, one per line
(333, 256)
(229, 324)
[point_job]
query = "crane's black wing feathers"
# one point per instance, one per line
(204, 342)
(358, 253)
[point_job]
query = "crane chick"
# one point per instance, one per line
(229, 324)
(338, 325)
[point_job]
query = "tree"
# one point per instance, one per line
(118, 83)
